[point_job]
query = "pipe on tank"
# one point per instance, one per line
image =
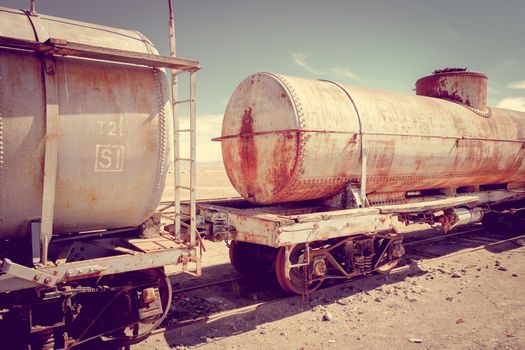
(466, 216)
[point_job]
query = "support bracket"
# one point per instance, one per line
(50, 155)
(29, 274)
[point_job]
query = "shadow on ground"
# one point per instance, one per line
(257, 291)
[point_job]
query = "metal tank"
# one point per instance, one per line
(457, 85)
(291, 139)
(112, 131)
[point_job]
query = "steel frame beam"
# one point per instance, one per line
(18, 277)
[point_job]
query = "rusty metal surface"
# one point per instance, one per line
(59, 47)
(457, 85)
(275, 228)
(17, 277)
(113, 134)
(429, 205)
(299, 222)
(293, 223)
(291, 139)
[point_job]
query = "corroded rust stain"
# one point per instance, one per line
(285, 154)
(247, 153)
(517, 162)
(382, 161)
(251, 237)
(456, 84)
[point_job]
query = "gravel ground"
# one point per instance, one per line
(464, 301)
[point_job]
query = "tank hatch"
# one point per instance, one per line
(457, 85)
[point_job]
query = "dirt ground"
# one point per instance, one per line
(459, 300)
(212, 182)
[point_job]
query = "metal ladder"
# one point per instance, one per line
(177, 159)
(192, 227)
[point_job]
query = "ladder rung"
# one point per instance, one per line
(179, 72)
(184, 159)
(173, 213)
(184, 130)
(186, 225)
(182, 101)
(185, 188)
(183, 215)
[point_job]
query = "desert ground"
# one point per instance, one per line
(212, 182)
(461, 298)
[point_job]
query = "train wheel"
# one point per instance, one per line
(44, 340)
(387, 267)
(392, 260)
(251, 260)
(141, 329)
(129, 315)
(297, 281)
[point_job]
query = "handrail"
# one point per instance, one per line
(61, 47)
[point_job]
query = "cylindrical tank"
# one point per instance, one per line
(114, 129)
(457, 85)
(291, 139)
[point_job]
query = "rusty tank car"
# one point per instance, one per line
(85, 142)
(112, 130)
(327, 170)
(290, 139)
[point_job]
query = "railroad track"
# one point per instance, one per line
(484, 244)
(443, 237)
(481, 238)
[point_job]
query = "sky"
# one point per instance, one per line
(376, 43)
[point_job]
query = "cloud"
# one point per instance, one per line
(301, 60)
(345, 72)
(514, 103)
(517, 85)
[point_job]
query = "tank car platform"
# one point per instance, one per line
(300, 222)
(292, 223)
(77, 258)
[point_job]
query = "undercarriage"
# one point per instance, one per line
(302, 268)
